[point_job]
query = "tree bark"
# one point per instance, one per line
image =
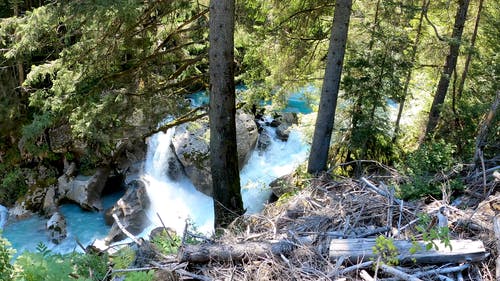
(451, 62)
(223, 153)
(469, 54)
(484, 130)
(326, 114)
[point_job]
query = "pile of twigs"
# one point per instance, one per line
(346, 208)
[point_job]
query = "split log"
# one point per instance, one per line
(203, 253)
(357, 250)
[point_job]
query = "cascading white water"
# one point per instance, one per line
(177, 201)
(173, 201)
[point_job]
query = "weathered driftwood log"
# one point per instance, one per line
(496, 227)
(362, 249)
(233, 252)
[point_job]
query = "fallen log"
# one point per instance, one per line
(357, 250)
(203, 253)
(496, 227)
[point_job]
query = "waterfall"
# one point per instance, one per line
(176, 201)
(4, 213)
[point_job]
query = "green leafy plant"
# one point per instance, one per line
(167, 242)
(40, 267)
(140, 276)
(386, 250)
(123, 258)
(422, 165)
(6, 253)
(432, 234)
(91, 266)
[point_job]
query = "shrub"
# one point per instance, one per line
(6, 253)
(422, 165)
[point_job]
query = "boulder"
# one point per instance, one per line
(84, 190)
(283, 122)
(191, 144)
(131, 211)
(131, 157)
(283, 132)
(264, 141)
(56, 227)
(288, 118)
(50, 201)
(282, 185)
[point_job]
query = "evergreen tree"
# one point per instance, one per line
(449, 67)
(318, 157)
(223, 153)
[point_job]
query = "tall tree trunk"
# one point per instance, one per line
(451, 62)
(484, 129)
(409, 74)
(223, 153)
(19, 65)
(374, 27)
(469, 54)
(318, 157)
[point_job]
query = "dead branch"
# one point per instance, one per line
(125, 231)
(398, 273)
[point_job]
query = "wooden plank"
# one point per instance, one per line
(357, 250)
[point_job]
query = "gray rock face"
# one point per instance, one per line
(285, 121)
(84, 190)
(131, 158)
(264, 141)
(283, 132)
(131, 211)
(56, 226)
(191, 145)
(50, 201)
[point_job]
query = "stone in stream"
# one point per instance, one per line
(130, 210)
(191, 144)
(56, 227)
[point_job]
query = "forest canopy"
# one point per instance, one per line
(81, 78)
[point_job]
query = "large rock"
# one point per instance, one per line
(38, 181)
(264, 141)
(131, 157)
(285, 120)
(56, 227)
(131, 211)
(84, 190)
(191, 144)
(283, 132)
